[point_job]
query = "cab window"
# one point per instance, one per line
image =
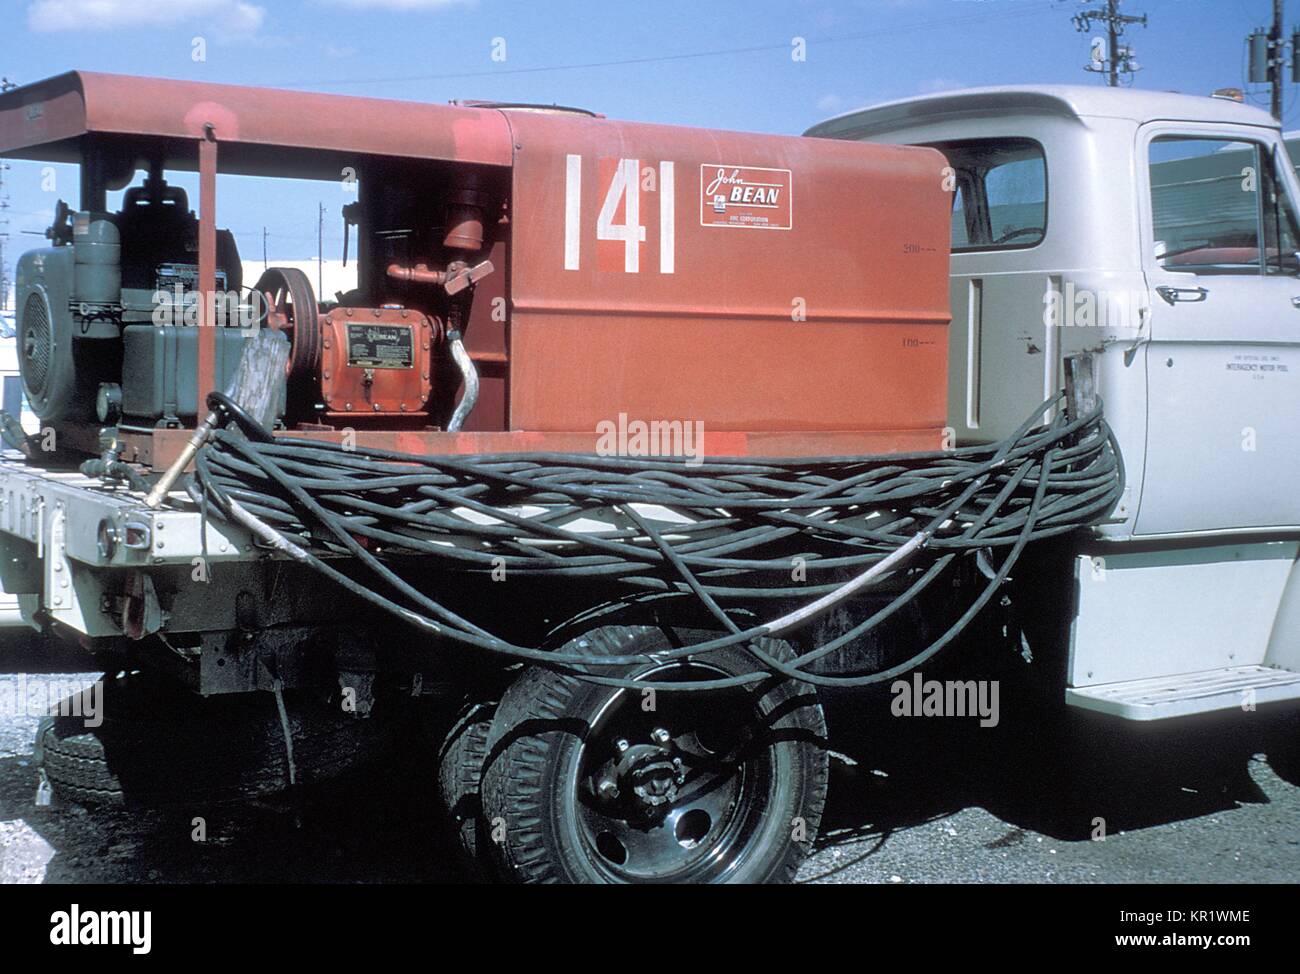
(960, 238)
(1000, 201)
(1219, 206)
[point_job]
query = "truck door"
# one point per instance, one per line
(1220, 242)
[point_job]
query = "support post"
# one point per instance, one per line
(207, 339)
(92, 193)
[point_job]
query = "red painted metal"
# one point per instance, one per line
(160, 447)
(865, 258)
(789, 294)
(207, 350)
(50, 115)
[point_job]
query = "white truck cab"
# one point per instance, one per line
(1156, 234)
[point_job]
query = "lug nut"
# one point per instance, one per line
(660, 736)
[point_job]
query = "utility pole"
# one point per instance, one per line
(320, 250)
(1267, 59)
(5, 85)
(1275, 65)
(1118, 58)
(264, 265)
(4, 239)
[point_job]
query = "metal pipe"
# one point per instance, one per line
(419, 274)
(165, 483)
(470, 374)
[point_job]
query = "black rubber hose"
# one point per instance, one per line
(730, 528)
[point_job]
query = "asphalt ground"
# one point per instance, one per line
(1068, 800)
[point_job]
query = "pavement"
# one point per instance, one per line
(1086, 801)
(1074, 800)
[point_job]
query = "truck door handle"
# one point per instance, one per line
(1173, 295)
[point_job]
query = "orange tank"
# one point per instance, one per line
(753, 283)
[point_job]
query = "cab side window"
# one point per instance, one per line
(1219, 206)
(960, 236)
(1000, 201)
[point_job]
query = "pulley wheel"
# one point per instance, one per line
(291, 307)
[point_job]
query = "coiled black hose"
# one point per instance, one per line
(726, 531)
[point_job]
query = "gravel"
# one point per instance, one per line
(937, 801)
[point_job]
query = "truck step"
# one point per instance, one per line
(1188, 693)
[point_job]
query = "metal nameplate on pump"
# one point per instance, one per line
(381, 346)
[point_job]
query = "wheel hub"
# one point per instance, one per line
(664, 796)
(650, 773)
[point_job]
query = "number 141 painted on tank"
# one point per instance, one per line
(619, 218)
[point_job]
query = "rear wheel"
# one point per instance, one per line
(460, 772)
(157, 744)
(587, 783)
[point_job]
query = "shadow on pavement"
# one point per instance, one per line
(1053, 774)
(376, 824)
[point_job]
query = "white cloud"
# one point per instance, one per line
(244, 18)
(224, 16)
(829, 103)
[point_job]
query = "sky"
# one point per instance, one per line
(729, 64)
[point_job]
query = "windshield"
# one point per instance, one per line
(1221, 207)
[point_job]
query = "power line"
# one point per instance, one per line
(1019, 11)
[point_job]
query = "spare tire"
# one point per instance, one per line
(159, 744)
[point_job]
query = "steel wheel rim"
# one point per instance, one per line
(716, 813)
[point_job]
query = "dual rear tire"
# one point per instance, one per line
(155, 744)
(569, 781)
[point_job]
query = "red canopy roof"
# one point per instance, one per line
(260, 130)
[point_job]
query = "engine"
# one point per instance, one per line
(102, 312)
(107, 318)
